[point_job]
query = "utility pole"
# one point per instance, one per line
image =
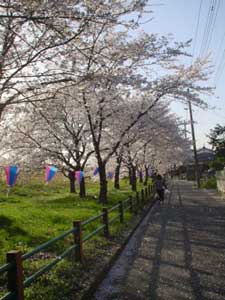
(185, 130)
(194, 144)
(184, 123)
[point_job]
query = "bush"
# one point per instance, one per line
(209, 183)
(218, 164)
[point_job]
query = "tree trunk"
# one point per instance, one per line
(134, 179)
(146, 176)
(130, 175)
(140, 177)
(117, 175)
(82, 188)
(72, 181)
(103, 184)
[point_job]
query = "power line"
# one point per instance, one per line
(220, 61)
(196, 30)
(206, 27)
(209, 27)
(220, 68)
(213, 25)
(218, 49)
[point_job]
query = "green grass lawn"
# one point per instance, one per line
(34, 213)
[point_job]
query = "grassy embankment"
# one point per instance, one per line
(34, 213)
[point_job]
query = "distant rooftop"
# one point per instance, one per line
(204, 155)
(204, 150)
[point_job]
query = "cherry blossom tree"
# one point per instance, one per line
(120, 75)
(55, 131)
(36, 41)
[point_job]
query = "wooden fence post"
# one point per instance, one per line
(131, 203)
(142, 198)
(79, 254)
(121, 211)
(15, 275)
(105, 220)
(146, 194)
(149, 190)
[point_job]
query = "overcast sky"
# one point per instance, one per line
(180, 17)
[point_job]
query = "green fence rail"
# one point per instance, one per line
(14, 266)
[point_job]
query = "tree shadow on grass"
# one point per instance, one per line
(8, 225)
(68, 200)
(14, 232)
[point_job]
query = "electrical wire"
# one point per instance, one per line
(196, 30)
(220, 68)
(217, 5)
(209, 29)
(220, 61)
(206, 27)
(210, 21)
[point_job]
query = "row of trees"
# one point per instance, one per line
(82, 84)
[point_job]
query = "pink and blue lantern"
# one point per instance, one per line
(140, 174)
(79, 176)
(149, 172)
(11, 173)
(50, 172)
(110, 175)
(96, 171)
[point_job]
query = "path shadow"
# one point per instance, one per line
(154, 275)
(161, 220)
(113, 287)
(194, 277)
(207, 224)
(203, 226)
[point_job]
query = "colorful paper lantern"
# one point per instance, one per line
(50, 172)
(140, 174)
(149, 172)
(96, 171)
(79, 175)
(11, 173)
(110, 175)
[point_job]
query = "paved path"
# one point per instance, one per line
(177, 253)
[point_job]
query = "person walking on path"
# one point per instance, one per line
(160, 185)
